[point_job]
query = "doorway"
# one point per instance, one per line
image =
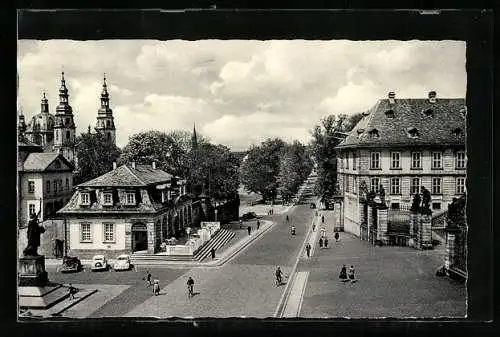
(139, 237)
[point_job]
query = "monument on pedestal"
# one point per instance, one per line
(35, 290)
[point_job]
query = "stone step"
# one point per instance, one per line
(222, 240)
(41, 297)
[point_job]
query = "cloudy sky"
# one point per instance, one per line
(237, 92)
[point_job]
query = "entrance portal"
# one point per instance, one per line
(139, 237)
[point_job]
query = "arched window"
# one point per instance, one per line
(374, 133)
(413, 133)
(68, 135)
(389, 113)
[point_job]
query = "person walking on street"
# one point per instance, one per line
(343, 273)
(190, 284)
(321, 242)
(322, 219)
(308, 249)
(337, 236)
(72, 292)
(287, 219)
(241, 223)
(326, 242)
(258, 224)
(147, 278)
(249, 230)
(278, 274)
(156, 288)
(314, 227)
(212, 252)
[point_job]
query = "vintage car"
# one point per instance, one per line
(248, 216)
(122, 262)
(99, 262)
(71, 264)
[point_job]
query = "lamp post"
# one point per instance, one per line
(188, 231)
(215, 215)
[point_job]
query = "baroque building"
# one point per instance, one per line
(105, 121)
(399, 146)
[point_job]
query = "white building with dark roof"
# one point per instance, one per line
(402, 145)
(133, 208)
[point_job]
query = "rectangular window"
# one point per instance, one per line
(85, 198)
(55, 186)
(416, 162)
(395, 185)
(355, 185)
(60, 185)
(354, 161)
(85, 233)
(31, 209)
(47, 185)
(436, 160)
(347, 183)
(109, 232)
(395, 164)
(460, 160)
(374, 184)
(375, 161)
(341, 161)
(67, 183)
(131, 198)
(31, 186)
(395, 205)
(436, 185)
(415, 186)
(108, 199)
(460, 185)
(436, 205)
(347, 161)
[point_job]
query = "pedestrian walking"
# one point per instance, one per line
(147, 278)
(351, 274)
(321, 242)
(241, 223)
(343, 273)
(71, 291)
(337, 236)
(156, 287)
(258, 224)
(322, 219)
(308, 249)
(287, 219)
(249, 230)
(326, 242)
(314, 227)
(212, 252)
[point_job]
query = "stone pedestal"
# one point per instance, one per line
(35, 290)
(425, 232)
(414, 223)
(450, 251)
(382, 225)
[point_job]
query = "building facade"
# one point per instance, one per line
(399, 146)
(133, 208)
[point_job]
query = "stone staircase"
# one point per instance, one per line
(221, 238)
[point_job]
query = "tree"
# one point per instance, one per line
(95, 156)
(325, 139)
(295, 166)
(259, 171)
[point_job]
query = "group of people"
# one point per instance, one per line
(347, 276)
(156, 284)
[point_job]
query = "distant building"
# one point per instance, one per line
(402, 145)
(129, 209)
(105, 120)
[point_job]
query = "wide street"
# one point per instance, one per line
(242, 287)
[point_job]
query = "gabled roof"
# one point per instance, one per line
(42, 161)
(126, 176)
(24, 142)
(387, 125)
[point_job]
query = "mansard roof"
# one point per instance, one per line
(410, 122)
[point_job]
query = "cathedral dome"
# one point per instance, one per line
(43, 121)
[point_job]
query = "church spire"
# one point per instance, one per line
(21, 127)
(194, 139)
(63, 107)
(45, 104)
(105, 121)
(104, 97)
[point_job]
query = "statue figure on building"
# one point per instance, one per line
(382, 194)
(426, 200)
(33, 233)
(363, 189)
(415, 206)
(456, 212)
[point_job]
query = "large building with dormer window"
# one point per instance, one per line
(132, 208)
(402, 145)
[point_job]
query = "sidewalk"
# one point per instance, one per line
(222, 256)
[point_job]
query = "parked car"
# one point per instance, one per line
(99, 262)
(71, 264)
(248, 216)
(122, 262)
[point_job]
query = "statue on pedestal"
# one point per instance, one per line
(426, 199)
(415, 206)
(33, 233)
(382, 194)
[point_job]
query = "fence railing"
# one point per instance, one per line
(439, 219)
(398, 220)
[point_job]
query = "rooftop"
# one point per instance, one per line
(42, 161)
(410, 122)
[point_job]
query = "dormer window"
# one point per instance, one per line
(457, 132)
(389, 113)
(428, 113)
(85, 198)
(360, 131)
(413, 133)
(130, 198)
(108, 198)
(374, 133)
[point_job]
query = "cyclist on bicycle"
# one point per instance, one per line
(190, 284)
(279, 273)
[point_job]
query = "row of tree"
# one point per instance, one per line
(276, 167)
(210, 169)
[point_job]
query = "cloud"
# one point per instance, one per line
(238, 92)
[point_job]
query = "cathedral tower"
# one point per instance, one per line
(64, 126)
(105, 121)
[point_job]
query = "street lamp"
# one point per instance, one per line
(215, 215)
(188, 231)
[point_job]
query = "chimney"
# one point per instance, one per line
(114, 165)
(432, 97)
(392, 97)
(133, 165)
(154, 165)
